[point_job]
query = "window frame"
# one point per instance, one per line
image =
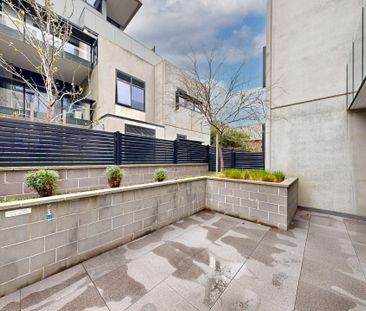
(98, 8)
(139, 127)
(131, 84)
(188, 103)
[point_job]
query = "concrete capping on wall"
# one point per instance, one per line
(77, 167)
(85, 225)
(85, 178)
(92, 193)
(272, 204)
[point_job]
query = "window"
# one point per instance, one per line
(181, 137)
(139, 131)
(186, 101)
(97, 4)
(130, 92)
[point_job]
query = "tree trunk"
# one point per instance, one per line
(221, 154)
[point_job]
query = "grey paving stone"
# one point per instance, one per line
(357, 230)
(68, 290)
(162, 298)
(199, 285)
(335, 281)
(310, 297)
(10, 302)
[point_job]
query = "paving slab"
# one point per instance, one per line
(71, 289)
(10, 302)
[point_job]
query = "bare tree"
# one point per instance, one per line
(47, 34)
(223, 97)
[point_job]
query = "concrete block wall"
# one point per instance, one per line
(85, 178)
(267, 203)
(86, 224)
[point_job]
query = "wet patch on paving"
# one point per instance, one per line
(211, 261)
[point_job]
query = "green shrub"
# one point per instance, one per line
(114, 175)
(160, 174)
(233, 173)
(280, 176)
(259, 175)
(43, 181)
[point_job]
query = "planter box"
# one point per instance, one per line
(272, 204)
(86, 224)
(85, 178)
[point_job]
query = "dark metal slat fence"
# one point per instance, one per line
(25, 143)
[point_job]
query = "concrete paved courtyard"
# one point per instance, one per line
(212, 261)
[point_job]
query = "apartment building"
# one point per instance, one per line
(315, 73)
(131, 88)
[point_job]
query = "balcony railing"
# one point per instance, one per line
(82, 49)
(356, 65)
(17, 100)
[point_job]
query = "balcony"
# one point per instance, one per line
(17, 100)
(78, 58)
(356, 68)
(121, 12)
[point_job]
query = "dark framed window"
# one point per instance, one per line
(130, 92)
(181, 137)
(186, 101)
(96, 4)
(139, 131)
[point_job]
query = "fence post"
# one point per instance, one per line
(233, 159)
(176, 151)
(208, 154)
(117, 148)
(264, 144)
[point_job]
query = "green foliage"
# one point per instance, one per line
(160, 174)
(232, 138)
(43, 181)
(114, 175)
(259, 175)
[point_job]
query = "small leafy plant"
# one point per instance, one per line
(114, 175)
(42, 181)
(160, 174)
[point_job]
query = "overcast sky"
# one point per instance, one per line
(235, 28)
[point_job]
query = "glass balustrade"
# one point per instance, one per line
(17, 100)
(74, 47)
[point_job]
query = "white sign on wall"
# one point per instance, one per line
(18, 212)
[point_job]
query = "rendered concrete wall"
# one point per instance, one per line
(267, 203)
(310, 133)
(84, 225)
(84, 178)
(178, 121)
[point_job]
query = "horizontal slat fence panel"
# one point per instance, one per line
(146, 150)
(249, 160)
(188, 152)
(235, 159)
(25, 143)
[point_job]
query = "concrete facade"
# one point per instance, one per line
(85, 225)
(310, 132)
(85, 178)
(268, 203)
(116, 51)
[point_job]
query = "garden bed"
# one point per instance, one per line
(269, 203)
